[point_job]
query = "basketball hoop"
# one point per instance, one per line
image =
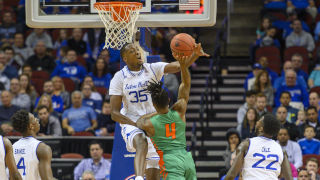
(119, 19)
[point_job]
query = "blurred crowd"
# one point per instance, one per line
(285, 81)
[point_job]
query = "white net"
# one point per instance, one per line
(119, 21)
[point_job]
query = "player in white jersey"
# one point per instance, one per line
(32, 156)
(7, 159)
(128, 86)
(261, 157)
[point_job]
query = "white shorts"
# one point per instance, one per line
(128, 133)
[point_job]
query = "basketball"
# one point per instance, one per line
(182, 44)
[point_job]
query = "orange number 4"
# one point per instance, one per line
(171, 131)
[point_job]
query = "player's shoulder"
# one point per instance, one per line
(121, 74)
(245, 144)
(43, 150)
(6, 142)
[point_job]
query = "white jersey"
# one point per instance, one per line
(25, 155)
(131, 85)
(263, 159)
(3, 173)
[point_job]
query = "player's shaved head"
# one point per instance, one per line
(271, 125)
(124, 49)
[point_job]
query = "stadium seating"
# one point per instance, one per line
(40, 75)
(69, 85)
(84, 133)
(102, 90)
(71, 156)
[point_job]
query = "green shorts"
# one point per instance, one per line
(179, 165)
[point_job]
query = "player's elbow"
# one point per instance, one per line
(177, 68)
(114, 115)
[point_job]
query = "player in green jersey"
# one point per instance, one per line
(167, 126)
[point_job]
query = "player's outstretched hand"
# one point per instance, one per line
(183, 60)
(199, 51)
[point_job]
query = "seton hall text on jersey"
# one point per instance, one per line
(19, 151)
(137, 85)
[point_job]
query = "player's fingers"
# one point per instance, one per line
(196, 46)
(205, 54)
(175, 55)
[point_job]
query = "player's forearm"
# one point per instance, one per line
(171, 68)
(192, 60)
(184, 88)
(185, 76)
(150, 115)
(118, 117)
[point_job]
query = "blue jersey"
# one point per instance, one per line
(309, 146)
(103, 81)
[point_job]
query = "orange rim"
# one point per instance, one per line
(105, 6)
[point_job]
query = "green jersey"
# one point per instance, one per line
(170, 142)
(170, 131)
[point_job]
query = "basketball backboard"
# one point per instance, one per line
(155, 13)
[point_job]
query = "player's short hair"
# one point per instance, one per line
(20, 121)
(312, 159)
(271, 125)
(285, 92)
(159, 96)
(123, 49)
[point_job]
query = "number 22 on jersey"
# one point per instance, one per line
(263, 158)
(171, 130)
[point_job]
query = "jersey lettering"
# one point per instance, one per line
(171, 132)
